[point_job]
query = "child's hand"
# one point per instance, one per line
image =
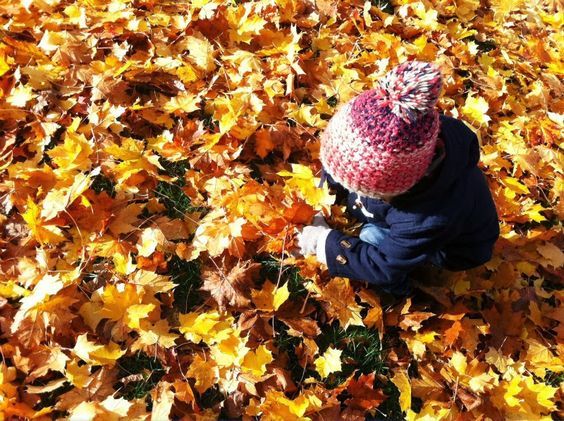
(311, 239)
(319, 220)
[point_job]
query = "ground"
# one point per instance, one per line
(156, 160)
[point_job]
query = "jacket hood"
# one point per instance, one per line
(462, 153)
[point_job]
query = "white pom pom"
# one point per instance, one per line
(411, 89)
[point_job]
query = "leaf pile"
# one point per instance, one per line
(156, 158)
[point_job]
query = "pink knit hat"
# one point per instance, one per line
(382, 141)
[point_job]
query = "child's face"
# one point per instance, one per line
(384, 197)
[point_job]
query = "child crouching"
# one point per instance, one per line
(410, 175)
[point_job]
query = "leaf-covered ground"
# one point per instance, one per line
(156, 158)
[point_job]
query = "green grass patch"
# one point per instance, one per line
(145, 371)
(271, 270)
(102, 183)
(553, 379)
(211, 397)
(187, 277)
(362, 351)
(384, 6)
(172, 196)
(50, 399)
(287, 344)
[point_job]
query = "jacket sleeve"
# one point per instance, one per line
(386, 266)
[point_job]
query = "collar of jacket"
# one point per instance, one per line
(461, 151)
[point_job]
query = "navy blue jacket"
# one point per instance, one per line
(451, 211)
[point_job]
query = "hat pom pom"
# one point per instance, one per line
(411, 89)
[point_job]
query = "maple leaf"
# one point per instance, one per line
(401, 380)
(163, 396)
(42, 231)
(263, 143)
(337, 298)
(329, 362)
(210, 327)
(74, 153)
(414, 320)
(126, 220)
(48, 285)
(255, 361)
(153, 334)
(77, 375)
(270, 297)
(59, 199)
(96, 354)
(277, 406)
(134, 159)
(363, 395)
(475, 108)
(229, 351)
(20, 95)
(230, 287)
(205, 372)
(301, 179)
(216, 99)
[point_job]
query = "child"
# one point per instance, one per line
(410, 174)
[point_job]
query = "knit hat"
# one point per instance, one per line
(382, 141)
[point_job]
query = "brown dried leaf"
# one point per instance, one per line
(230, 287)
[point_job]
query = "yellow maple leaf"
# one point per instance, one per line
(229, 351)
(466, 9)
(512, 389)
(77, 375)
(329, 362)
(48, 285)
(210, 327)
(163, 396)
(73, 154)
(96, 354)
(116, 407)
(540, 393)
(136, 312)
(401, 380)
(4, 66)
(20, 95)
(476, 108)
(185, 102)
(428, 17)
(276, 406)
(458, 361)
(58, 199)
(270, 298)
(255, 361)
(117, 299)
(302, 181)
(123, 264)
(153, 334)
(245, 24)
(201, 51)
(43, 233)
(483, 381)
(303, 114)
(205, 371)
(216, 233)
(150, 239)
(134, 159)
(84, 411)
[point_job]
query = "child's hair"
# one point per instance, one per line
(381, 142)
